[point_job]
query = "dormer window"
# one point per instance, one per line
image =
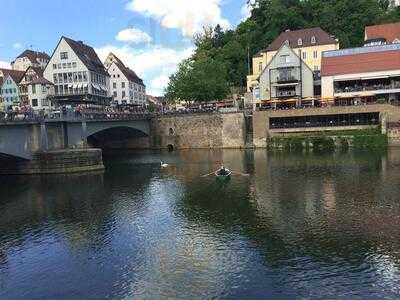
(313, 40)
(300, 42)
(64, 55)
(286, 42)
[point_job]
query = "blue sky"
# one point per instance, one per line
(150, 36)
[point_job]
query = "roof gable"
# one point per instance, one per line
(309, 37)
(87, 55)
(128, 73)
(278, 54)
(16, 76)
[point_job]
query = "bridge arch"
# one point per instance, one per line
(117, 137)
(139, 125)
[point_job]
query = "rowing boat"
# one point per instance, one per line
(223, 174)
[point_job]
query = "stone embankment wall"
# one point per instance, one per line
(199, 131)
(262, 134)
(364, 139)
(56, 162)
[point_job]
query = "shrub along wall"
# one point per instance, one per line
(363, 139)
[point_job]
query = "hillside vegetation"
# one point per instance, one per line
(220, 61)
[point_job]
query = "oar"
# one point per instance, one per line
(208, 174)
(242, 174)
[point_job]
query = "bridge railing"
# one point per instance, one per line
(71, 117)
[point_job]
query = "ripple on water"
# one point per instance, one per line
(300, 226)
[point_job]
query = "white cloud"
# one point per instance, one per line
(154, 63)
(17, 46)
(188, 16)
(245, 11)
(159, 83)
(5, 65)
(133, 35)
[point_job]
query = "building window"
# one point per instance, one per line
(54, 66)
(287, 42)
(44, 90)
(114, 85)
(33, 88)
(304, 55)
(285, 59)
(123, 94)
(74, 64)
(64, 55)
(313, 40)
(300, 42)
(123, 85)
(316, 68)
(115, 94)
(315, 54)
(260, 67)
(34, 102)
(69, 65)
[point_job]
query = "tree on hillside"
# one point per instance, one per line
(225, 53)
(198, 80)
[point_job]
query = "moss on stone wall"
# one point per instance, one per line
(363, 139)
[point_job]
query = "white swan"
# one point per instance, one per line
(163, 165)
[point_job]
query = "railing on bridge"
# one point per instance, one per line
(69, 117)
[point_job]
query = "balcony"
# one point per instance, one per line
(290, 75)
(378, 87)
(287, 79)
(286, 94)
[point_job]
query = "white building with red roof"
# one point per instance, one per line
(126, 86)
(35, 90)
(365, 74)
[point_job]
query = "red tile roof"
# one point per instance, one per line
(15, 75)
(87, 55)
(129, 74)
(389, 32)
(321, 38)
(360, 63)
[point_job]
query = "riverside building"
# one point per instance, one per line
(286, 81)
(9, 89)
(78, 75)
(362, 75)
(126, 87)
(311, 42)
(35, 90)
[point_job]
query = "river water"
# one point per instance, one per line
(300, 226)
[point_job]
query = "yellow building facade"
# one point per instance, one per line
(308, 43)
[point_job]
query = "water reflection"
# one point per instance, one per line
(302, 225)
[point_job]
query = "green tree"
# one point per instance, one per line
(198, 80)
(221, 57)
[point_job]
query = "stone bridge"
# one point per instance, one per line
(24, 139)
